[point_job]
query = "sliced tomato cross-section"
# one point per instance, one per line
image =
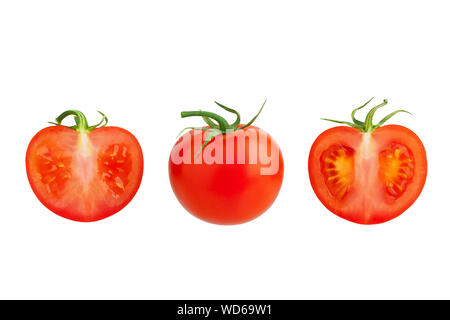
(368, 176)
(84, 175)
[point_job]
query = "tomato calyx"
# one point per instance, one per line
(81, 123)
(367, 125)
(217, 124)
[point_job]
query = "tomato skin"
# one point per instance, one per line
(225, 193)
(367, 200)
(76, 190)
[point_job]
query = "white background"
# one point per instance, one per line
(142, 62)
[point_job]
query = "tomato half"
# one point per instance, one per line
(368, 177)
(232, 179)
(84, 175)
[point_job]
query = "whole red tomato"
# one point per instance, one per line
(84, 173)
(225, 173)
(368, 173)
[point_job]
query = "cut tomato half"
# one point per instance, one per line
(368, 176)
(87, 175)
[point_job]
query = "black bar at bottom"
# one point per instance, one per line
(221, 309)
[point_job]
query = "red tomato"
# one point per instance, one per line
(233, 178)
(84, 173)
(368, 174)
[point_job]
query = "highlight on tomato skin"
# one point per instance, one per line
(84, 173)
(366, 173)
(223, 173)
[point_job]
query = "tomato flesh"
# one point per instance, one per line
(396, 169)
(84, 176)
(337, 166)
(115, 166)
(368, 178)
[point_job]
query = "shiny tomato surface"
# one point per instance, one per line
(232, 180)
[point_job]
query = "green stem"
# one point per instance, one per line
(369, 117)
(222, 126)
(367, 125)
(81, 123)
(238, 116)
(255, 117)
(356, 121)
